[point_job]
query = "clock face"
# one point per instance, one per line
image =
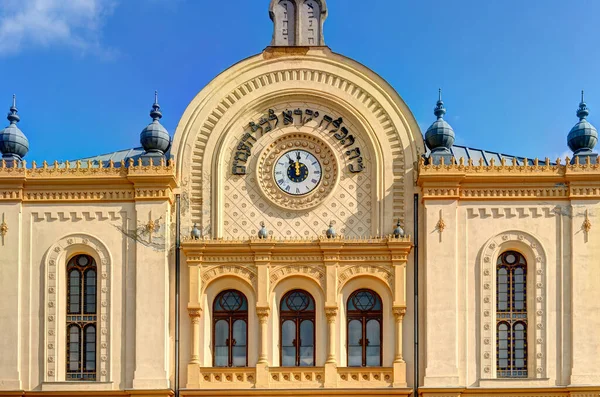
(297, 172)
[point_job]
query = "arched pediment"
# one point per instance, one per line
(272, 96)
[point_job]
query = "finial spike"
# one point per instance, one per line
(155, 113)
(439, 110)
(583, 110)
(13, 117)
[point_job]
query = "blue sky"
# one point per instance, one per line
(85, 71)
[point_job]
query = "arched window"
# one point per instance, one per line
(364, 329)
(81, 318)
(297, 329)
(230, 329)
(511, 315)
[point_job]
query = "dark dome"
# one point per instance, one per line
(583, 136)
(439, 135)
(13, 143)
(155, 138)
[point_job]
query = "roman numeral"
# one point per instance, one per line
(287, 188)
(297, 190)
(314, 181)
(280, 181)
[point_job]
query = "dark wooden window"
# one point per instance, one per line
(297, 329)
(81, 318)
(230, 329)
(364, 329)
(511, 315)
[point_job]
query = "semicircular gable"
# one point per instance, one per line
(272, 95)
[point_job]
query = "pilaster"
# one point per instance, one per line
(152, 296)
(441, 293)
(585, 295)
(11, 284)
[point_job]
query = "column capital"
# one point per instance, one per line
(399, 312)
(195, 312)
(263, 313)
(331, 313)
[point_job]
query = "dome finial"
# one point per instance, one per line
(155, 138)
(13, 117)
(583, 110)
(439, 110)
(13, 143)
(263, 233)
(398, 231)
(155, 113)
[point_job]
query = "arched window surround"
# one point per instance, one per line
(532, 250)
(231, 322)
(303, 321)
(210, 292)
(383, 290)
(282, 287)
(55, 298)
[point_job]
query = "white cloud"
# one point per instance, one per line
(46, 23)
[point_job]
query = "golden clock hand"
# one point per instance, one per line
(297, 168)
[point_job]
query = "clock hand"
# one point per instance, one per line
(289, 158)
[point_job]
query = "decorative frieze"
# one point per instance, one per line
(88, 182)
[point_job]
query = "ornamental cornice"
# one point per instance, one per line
(298, 250)
(534, 181)
(87, 182)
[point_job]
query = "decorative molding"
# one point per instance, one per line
(88, 182)
(519, 180)
(587, 225)
(320, 80)
(246, 272)
(536, 273)
(331, 313)
(55, 257)
(263, 314)
(195, 314)
(441, 225)
(3, 228)
(382, 272)
(315, 272)
(399, 312)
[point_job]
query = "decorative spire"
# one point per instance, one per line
(439, 110)
(583, 111)
(155, 113)
(13, 117)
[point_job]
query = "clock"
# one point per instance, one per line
(297, 172)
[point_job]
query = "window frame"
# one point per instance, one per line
(231, 317)
(511, 316)
(82, 318)
(298, 317)
(364, 316)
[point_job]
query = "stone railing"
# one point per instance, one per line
(227, 378)
(365, 377)
(296, 377)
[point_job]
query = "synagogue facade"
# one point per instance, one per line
(328, 247)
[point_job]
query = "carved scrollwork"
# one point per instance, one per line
(383, 272)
